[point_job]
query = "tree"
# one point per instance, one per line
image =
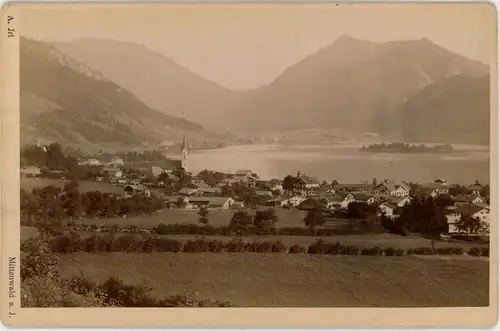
(203, 214)
(289, 183)
(374, 182)
(358, 210)
(265, 218)
(314, 218)
(240, 222)
(469, 224)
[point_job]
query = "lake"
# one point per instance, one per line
(346, 163)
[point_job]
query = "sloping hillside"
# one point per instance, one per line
(453, 110)
(63, 100)
(155, 79)
(353, 85)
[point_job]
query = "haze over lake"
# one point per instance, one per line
(345, 162)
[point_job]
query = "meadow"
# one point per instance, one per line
(277, 280)
(85, 186)
(216, 218)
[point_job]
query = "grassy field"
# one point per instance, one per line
(219, 217)
(272, 280)
(383, 240)
(85, 186)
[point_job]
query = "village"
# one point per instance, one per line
(179, 189)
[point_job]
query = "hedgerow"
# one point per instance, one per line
(73, 242)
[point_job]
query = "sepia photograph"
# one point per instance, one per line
(231, 155)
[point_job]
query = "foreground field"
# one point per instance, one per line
(275, 280)
(85, 186)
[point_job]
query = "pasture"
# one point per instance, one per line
(216, 217)
(85, 186)
(277, 280)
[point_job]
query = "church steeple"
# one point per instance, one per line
(184, 157)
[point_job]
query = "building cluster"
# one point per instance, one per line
(387, 197)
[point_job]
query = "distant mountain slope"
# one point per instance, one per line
(456, 109)
(353, 85)
(155, 79)
(66, 101)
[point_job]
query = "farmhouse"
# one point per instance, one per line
(90, 162)
(427, 192)
(156, 171)
(293, 201)
(388, 209)
(475, 188)
(363, 198)
(30, 171)
(441, 186)
(340, 200)
(311, 204)
(477, 212)
(461, 200)
(117, 162)
(399, 201)
(387, 189)
(212, 202)
(188, 191)
(243, 173)
(209, 191)
(133, 189)
(362, 188)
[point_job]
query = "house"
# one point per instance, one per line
(475, 188)
(399, 201)
(243, 173)
(363, 198)
(210, 191)
(477, 212)
(441, 186)
(427, 192)
(117, 162)
(156, 171)
(188, 191)
(276, 185)
(264, 194)
(292, 202)
(387, 189)
(30, 171)
(238, 204)
(388, 209)
(461, 200)
(121, 181)
(212, 202)
(363, 188)
(199, 183)
(113, 172)
(176, 201)
(90, 162)
(340, 200)
(133, 189)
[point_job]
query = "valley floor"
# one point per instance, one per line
(276, 280)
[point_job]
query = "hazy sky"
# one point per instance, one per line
(243, 46)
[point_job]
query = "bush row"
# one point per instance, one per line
(151, 243)
(208, 230)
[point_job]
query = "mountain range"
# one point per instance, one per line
(129, 93)
(69, 102)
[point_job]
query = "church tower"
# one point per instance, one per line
(184, 157)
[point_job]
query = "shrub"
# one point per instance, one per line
(485, 251)
(350, 250)
(458, 251)
(196, 246)
(400, 252)
(475, 251)
(445, 251)
(410, 251)
(424, 251)
(169, 245)
(235, 246)
(297, 249)
(389, 251)
(372, 251)
(278, 247)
